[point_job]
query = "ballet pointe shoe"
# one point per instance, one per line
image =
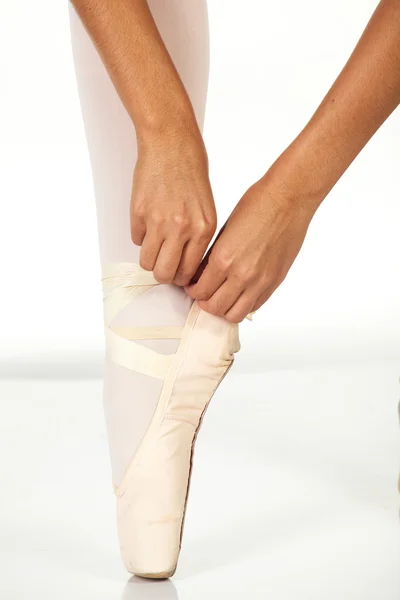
(153, 493)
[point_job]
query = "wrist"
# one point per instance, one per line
(176, 142)
(177, 123)
(295, 181)
(308, 169)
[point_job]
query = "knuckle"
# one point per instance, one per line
(202, 295)
(136, 238)
(157, 218)
(218, 310)
(233, 317)
(146, 263)
(180, 222)
(183, 278)
(245, 273)
(163, 275)
(138, 211)
(215, 308)
(204, 230)
(207, 307)
(221, 260)
(137, 232)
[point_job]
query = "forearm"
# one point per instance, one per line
(363, 96)
(138, 64)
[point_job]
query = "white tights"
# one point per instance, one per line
(129, 397)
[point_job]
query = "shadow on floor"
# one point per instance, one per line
(149, 589)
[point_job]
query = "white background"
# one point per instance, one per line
(295, 494)
(271, 65)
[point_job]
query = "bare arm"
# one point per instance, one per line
(173, 215)
(363, 96)
(266, 230)
(137, 62)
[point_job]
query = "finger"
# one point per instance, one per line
(192, 254)
(204, 262)
(243, 306)
(250, 301)
(223, 299)
(168, 260)
(150, 248)
(266, 295)
(138, 223)
(210, 280)
(138, 231)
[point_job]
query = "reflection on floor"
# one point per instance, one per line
(294, 492)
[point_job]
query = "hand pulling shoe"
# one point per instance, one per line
(153, 493)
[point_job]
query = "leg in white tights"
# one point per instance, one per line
(130, 398)
(165, 356)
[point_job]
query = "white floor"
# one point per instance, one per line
(294, 493)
